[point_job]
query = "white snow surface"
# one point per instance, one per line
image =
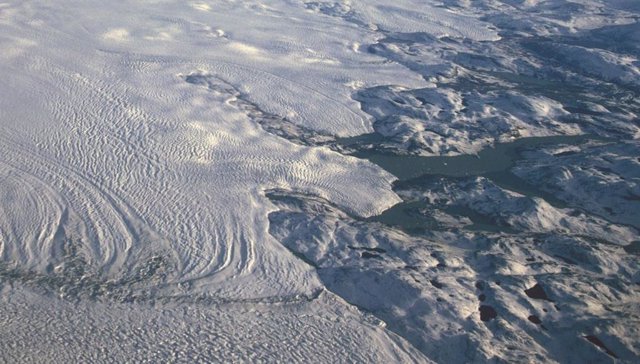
(105, 143)
(106, 149)
(134, 172)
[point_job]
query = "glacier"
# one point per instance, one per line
(320, 181)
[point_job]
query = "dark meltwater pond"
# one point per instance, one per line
(494, 163)
(495, 159)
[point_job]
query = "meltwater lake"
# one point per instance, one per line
(494, 163)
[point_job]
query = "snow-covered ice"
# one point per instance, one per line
(196, 181)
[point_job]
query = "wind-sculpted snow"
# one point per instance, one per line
(195, 181)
